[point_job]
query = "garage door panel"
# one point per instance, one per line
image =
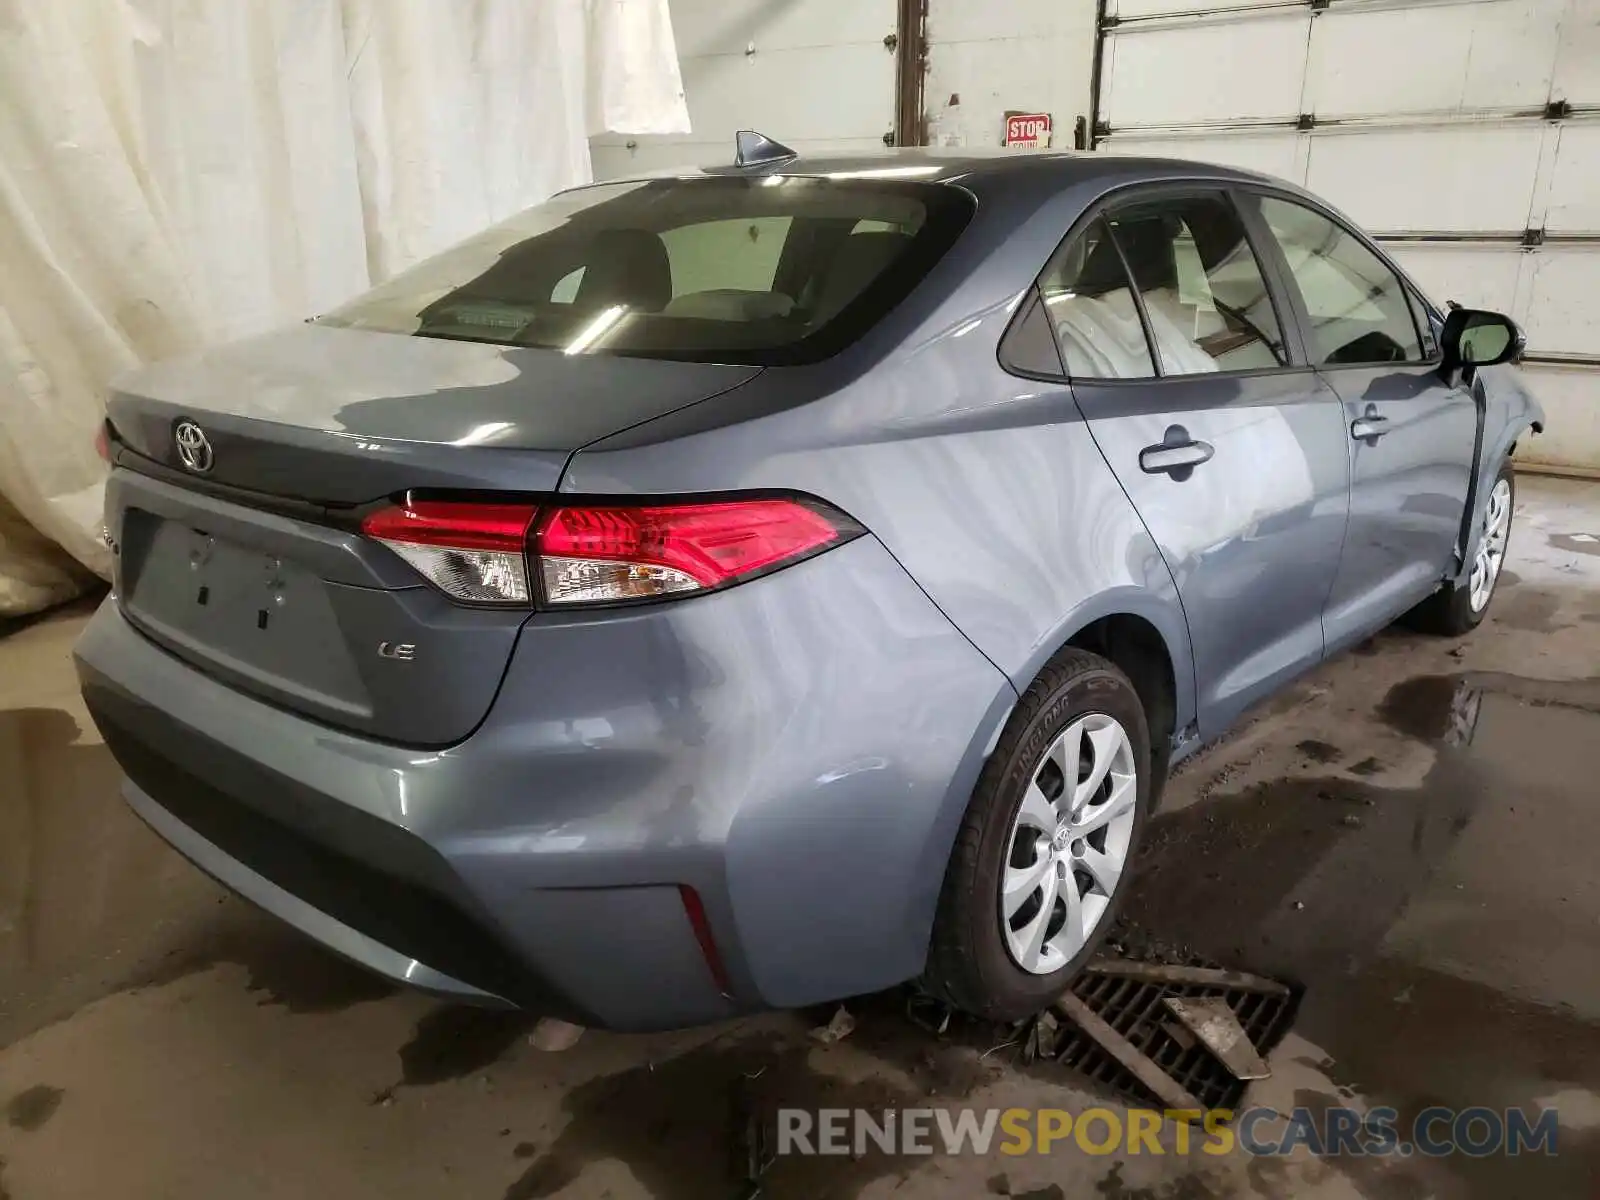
(1130, 9)
(1190, 74)
(959, 21)
(1571, 399)
(732, 26)
(1476, 276)
(1577, 71)
(1563, 299)
(1574, 204)
(1441, 58)
(1456, 178)
(1272, 153)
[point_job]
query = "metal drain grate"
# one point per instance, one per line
(1133, 1008)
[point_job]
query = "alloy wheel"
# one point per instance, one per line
(1492, 545)
(1068, 844)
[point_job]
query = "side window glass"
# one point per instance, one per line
(1204, 295)
(1091, 308)
(566, 289)
(1358, 308)
(1028, 346)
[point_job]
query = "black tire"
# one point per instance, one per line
(968, 963)
(1449, 612)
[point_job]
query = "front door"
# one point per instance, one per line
(1232, 452)
(1411, 433)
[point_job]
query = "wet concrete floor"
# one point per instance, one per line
(1410, 834)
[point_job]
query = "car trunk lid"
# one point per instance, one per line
(341, 417)
(254, 568)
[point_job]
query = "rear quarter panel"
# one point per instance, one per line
(987, 488)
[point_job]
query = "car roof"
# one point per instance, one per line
(967, 166)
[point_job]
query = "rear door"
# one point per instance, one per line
(1230, 447)
(1411, 435)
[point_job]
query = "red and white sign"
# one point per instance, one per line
(1028, 131)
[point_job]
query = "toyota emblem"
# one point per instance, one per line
(194, 448)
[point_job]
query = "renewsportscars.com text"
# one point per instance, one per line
(1374, 1132)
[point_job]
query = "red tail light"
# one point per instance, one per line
(604, 555)
(102, 443)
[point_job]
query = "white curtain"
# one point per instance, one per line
(179, 172)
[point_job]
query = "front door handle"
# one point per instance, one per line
(1369, 426)
(1177, 457)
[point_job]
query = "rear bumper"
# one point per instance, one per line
(798, 750)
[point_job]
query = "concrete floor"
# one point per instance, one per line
(1410, 833)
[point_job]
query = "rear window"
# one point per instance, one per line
(766, 270)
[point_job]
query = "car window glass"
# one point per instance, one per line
(1357, 306)
(1092, 310)
(717, 255)
(766, 270)
(1204, 294)
(1028, 345)
(872, 225)
(566, 289)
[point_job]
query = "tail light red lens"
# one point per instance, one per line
(102, 443)
(603, 554)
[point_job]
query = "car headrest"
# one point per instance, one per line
(1148, 245)
(1102, 271)
(626, 266)
(858, 261)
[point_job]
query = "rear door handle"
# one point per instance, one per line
(1369, 427)
(1175, 459)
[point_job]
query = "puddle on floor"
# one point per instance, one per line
(1446, 935)
(679, 1125)
(452, 1041)
(92, 902)
(1528, 609)
(1579, 543)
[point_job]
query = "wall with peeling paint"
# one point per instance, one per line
(814, 74)
(986, 59)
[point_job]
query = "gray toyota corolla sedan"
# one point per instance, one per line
(768, 584)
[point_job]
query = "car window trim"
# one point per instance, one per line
(1226, 196)
(1137, 191)
(1031, 299)
(1302, 314)
(1157, 363)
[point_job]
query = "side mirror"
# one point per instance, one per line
(1473, 337)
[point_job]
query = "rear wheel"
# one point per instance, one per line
(1042, 856)
(1459, 608)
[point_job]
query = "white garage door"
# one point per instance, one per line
(1464, 134)
(815, 74)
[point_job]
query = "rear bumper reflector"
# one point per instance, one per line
(696, 910)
